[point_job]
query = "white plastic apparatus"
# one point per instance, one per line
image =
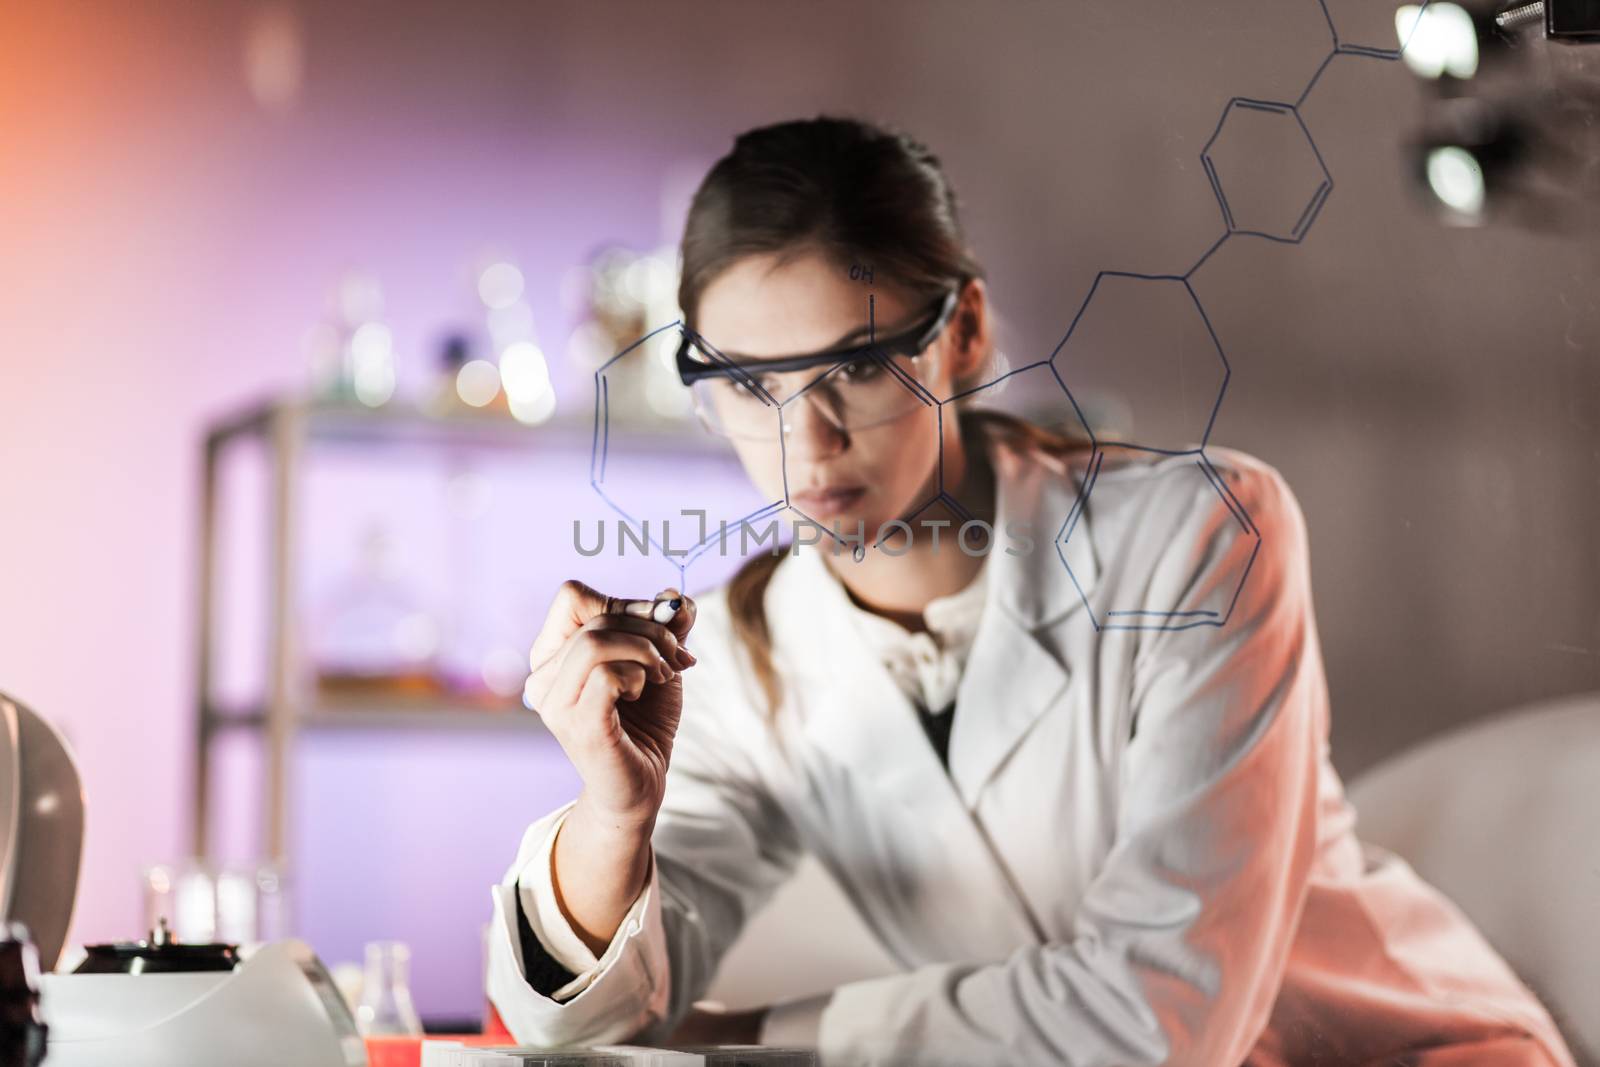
(157, 1002)
(277, 1006)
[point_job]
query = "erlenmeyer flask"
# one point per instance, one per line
(386, 1007)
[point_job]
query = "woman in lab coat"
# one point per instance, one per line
(1076, 781)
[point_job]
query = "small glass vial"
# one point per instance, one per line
(386, 1008)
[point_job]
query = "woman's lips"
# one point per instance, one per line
(819, 503)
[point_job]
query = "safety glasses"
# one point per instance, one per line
(854, 387)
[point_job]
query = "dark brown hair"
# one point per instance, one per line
(859, 194)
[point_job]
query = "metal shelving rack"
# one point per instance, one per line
(289, 428)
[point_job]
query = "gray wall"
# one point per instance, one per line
(1431, 393)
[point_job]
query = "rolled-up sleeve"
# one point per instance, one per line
(720, 848)
(1181, 939)
(554, 958)
(607, 1001)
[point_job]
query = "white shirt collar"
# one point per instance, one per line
(926, 665)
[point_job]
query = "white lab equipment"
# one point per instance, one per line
(276, 1006)
(157, 1002)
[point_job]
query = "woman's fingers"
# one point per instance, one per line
(607, 684)
(574, 604)
(577, 605)
(541, 688)
(661, 636)
(594, 647)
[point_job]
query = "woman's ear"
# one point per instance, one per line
(971, 339)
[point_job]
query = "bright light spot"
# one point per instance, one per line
(477, 382)
(47, 804)
(1437, 40)
(500, 285)
(666, 350)
(372, 363)
(636, 280)
(504, 670)
(524, 372)
(374, 384)
(589, 345)
(511, 323)
(536, 410)
(195, 908)
(371, 341)
(159, 879)
(1456, 179)
(649, 279)
(274, 56)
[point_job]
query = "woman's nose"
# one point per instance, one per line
(809, 429)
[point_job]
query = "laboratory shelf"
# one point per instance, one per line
(288, 429)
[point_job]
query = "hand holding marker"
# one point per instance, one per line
(606, 682)
(660, 609)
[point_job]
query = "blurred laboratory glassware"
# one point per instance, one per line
(251, 905)
(240, 903)
(272, 904)
(236, 905)
(185, 895)
(372, 637)
(347, 978)
(351, 349)
(386, 1008)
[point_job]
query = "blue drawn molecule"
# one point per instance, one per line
(657, 496)
(878, 396)
(1110, 513)
(1142, 365)
(1269, 177)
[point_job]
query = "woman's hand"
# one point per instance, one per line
(606, 684)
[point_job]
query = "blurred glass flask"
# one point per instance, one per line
(239, 904)
(386, 1008)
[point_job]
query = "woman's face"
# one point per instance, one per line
(760, 308)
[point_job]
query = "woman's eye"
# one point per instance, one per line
(748, 387)
(861, 370)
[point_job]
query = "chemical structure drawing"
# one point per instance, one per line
(1148, 328)
(680, 556)
(1222, 587)
(1152, 326)
(919, 404)
(1280, 206)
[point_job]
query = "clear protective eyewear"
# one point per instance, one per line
(854, 387)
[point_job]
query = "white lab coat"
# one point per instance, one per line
(1140, 853)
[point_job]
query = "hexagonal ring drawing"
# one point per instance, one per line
(599, 453)
(1146, 338)
(919, 401)
(1279, 202)
(1177, 618)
